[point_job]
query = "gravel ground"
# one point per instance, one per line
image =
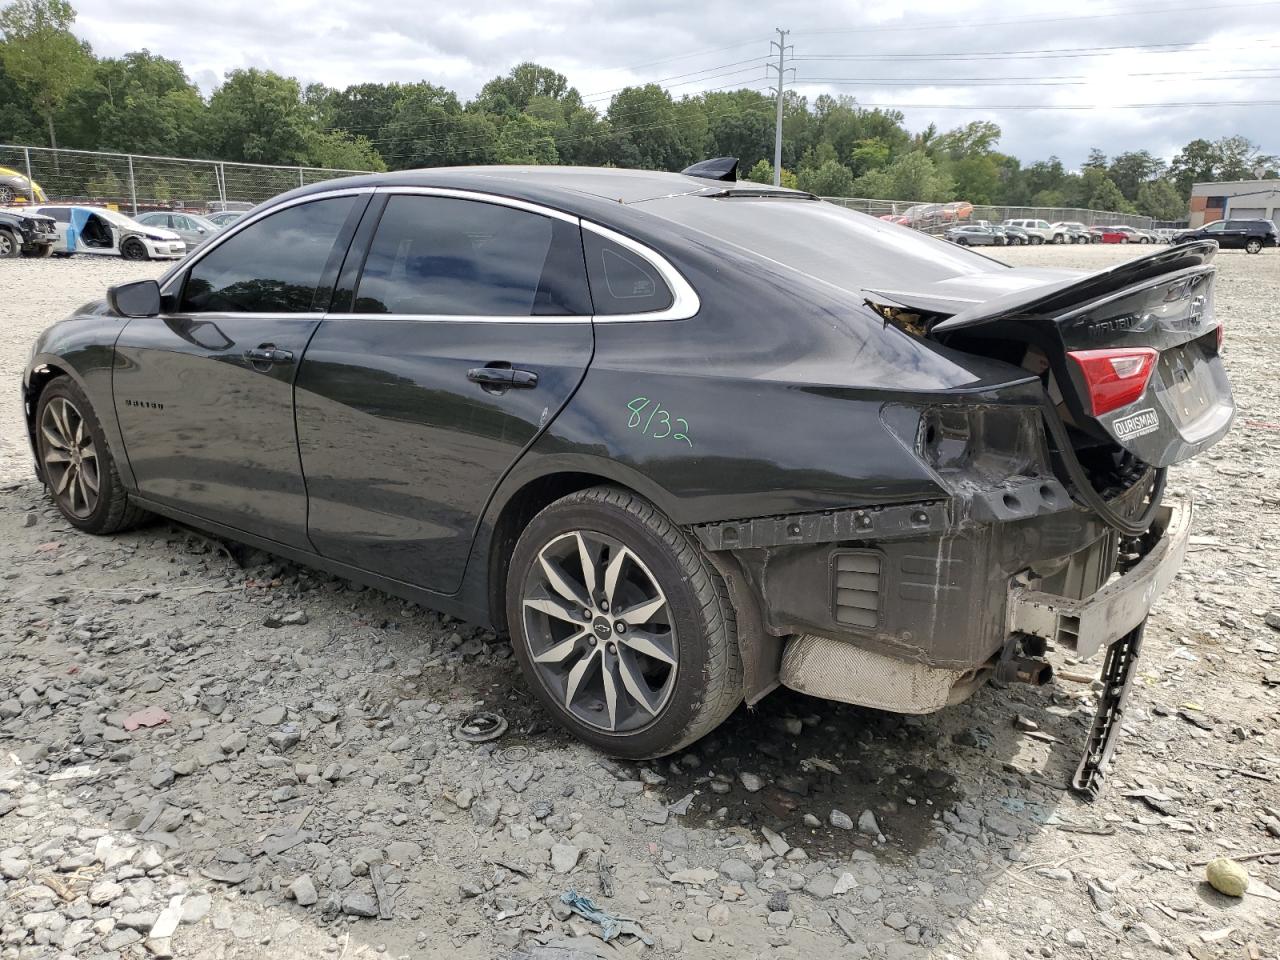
(307, 773)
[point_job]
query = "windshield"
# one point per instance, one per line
(850, 250)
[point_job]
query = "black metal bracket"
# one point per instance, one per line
(1117, 681)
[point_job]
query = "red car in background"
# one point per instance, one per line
(1108, 235)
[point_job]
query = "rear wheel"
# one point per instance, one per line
(624, 631)
(78, 468)
(133, 250)
(10, 245)
(6, 194)
(1253, 245)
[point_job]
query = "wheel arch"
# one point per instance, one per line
(43, 372)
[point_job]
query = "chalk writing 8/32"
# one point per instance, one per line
(652, 420)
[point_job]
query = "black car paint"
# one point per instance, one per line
(739, 396)
(32, 230)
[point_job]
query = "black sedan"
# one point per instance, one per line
(683, 438)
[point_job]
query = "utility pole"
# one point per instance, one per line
(783, 49)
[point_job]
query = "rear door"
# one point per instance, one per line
(458, 338)
(204, 392)
(1235, 234)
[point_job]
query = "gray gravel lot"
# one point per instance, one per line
(309, 773)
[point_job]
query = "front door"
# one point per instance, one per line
(465, 332)
(204, 392)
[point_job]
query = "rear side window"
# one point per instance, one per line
(622, 282)
(272, 266)
(1239, 224)
(442, 256)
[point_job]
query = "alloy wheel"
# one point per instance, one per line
(6, 244)
(6, 194)
(600, 632)
(1253, 246)
(70, 457)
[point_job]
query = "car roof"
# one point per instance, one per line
(539, 182)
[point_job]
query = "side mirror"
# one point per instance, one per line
(141, 298)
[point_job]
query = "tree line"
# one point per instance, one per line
(55, 91)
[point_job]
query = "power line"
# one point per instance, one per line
(1056, 53)
(1057, 106)
(757, 61)
(1009, 81)
(1133, 12)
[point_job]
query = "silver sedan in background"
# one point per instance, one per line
(190, 227)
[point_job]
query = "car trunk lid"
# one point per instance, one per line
(1130, 353)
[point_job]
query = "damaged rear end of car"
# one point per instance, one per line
(1053, 534)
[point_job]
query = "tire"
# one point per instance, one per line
(1253, 245)
(1037, 241)
(40, 253)
(6, 194)
(698, 672)
(65, 419)
(10, 245)
(962, 241)
(1058, 238)
(134, 250)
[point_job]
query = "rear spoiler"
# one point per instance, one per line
(1060, 295)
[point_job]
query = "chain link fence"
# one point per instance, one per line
(134, 183)
(937, 216)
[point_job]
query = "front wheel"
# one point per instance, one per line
(10, 246)
(133, 250)
(79, 471)
(624, 630)
(1253, 246)
(1037, 241)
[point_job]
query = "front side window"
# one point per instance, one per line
(272, 266)
(442, 256)
(1215, 227)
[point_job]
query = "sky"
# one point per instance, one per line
(939, 62)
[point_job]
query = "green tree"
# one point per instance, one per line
(869, 154)
(1160, 200)
(339, 150)
(18, 123)
(1108, 197)
(139, 103)
(1097, 160)
(1129, 171)
(430, 129)
(42, 56)
(762, 172)
(526, 139)
(514, 92)
(831, 179)
(258, 117)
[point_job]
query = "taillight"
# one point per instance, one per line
(1115, 378)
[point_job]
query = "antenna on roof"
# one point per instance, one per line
(721, 168)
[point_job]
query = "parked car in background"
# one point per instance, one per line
(192, 228)
(1134, 235)
(972, 235)
(924, 215)
(517, 395)
(98, 231)
(1040, 231)
(225, 218)
(25, 233)
(1016, 235)
(1073, 231)
(16, 188)
(1000, 232)
(957, 210)
(1108, 234)
(1164, 234)
(897, 218)
(1248, 235)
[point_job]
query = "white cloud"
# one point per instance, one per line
(599, 44)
